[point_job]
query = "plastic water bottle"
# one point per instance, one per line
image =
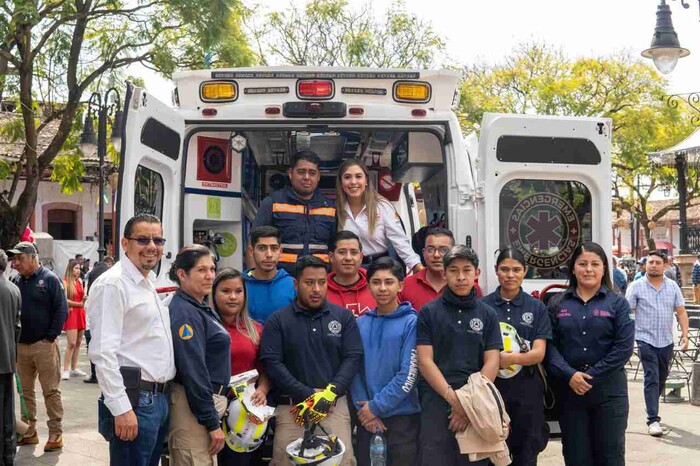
(377, 450)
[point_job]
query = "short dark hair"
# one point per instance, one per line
(511, 253)
(186, 259)
(109, 259)
(140, 218)
(439, 231)
(264, 231)
(343, 235)
(460, 252)
(386, 263)
(660, 254)
(78, 256)
(3, 261)
(304, 262)
(305, 154)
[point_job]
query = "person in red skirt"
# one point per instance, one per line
(75, 323)
(229, 300)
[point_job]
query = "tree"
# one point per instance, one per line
(62, 49)
(331, 33)
(537, 78)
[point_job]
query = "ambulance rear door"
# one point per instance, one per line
(150, 169)
(546, 189)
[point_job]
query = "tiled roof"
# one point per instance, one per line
(13, 150)
(693, 212)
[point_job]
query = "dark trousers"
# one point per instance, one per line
(401, 441)
(655, 362)
(437, 444)
(7, 421)
(593, 425)
(228, 457)
(88, 337)
(523, 396)
(152, 415)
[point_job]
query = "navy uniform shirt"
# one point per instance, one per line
(595, 337)
(303, 350)
(44, 306)
(526, 314)
(202, 348)
(459, 329)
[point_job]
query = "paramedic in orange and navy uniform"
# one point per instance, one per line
(304, 216)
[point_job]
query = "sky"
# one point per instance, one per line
(487, 30)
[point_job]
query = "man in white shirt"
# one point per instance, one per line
(131, 328)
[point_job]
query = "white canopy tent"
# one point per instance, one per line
(690, 146)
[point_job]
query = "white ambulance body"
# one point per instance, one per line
(539, 183)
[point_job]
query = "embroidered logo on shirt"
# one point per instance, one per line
(563, 313)
(335, 327)
(185, 332)
(476, 324)
(528, 318)
(601, 313)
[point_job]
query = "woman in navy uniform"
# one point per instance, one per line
(523, 392)
(593, 337)
(202, 348)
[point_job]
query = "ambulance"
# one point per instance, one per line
(204, 164)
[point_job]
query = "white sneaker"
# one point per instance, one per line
(65, 375)
(77, 373)
(655, 429)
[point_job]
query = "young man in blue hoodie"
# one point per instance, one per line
(384, 391)
(268, 287)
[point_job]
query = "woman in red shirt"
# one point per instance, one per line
(75, 322)
(230, 302)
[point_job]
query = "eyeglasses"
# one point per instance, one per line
(442, 251)
(145, 241)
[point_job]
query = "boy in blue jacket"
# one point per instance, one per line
(268, 287)
(384, 391)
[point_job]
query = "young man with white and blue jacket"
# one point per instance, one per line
(384, 391)
(268, 287)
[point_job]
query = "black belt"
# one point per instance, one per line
(285, 400)
(219, 389)
(155, 387)
(583, 368)
(374, 257)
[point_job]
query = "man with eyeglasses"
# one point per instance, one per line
(429, 283)
(132, 348)
(304, 217)
(268, 287)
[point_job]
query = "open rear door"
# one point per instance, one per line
(150, 168)
(546, 189)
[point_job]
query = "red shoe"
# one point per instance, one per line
(55, 442)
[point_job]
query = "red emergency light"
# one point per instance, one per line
(315, 89)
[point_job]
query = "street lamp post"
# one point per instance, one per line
(101, 106)
(681, 162)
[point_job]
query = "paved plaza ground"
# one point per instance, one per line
(84, 446)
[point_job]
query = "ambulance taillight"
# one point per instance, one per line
(315, 89)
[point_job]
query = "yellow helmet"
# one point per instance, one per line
(242, 434)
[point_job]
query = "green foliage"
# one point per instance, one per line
(68, 170)
(331, 33)
(537, 78)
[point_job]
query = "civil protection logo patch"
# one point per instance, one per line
(335, 327)
(185, 332)
(528, 317)
(545, 228)
(476, 324)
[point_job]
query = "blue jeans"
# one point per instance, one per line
(152, 415)
(656, 362)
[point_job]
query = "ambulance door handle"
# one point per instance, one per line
(169, 255)
(468, 241)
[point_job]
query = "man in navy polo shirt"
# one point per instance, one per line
(458, 335)
(44, 311)
(306, 347)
